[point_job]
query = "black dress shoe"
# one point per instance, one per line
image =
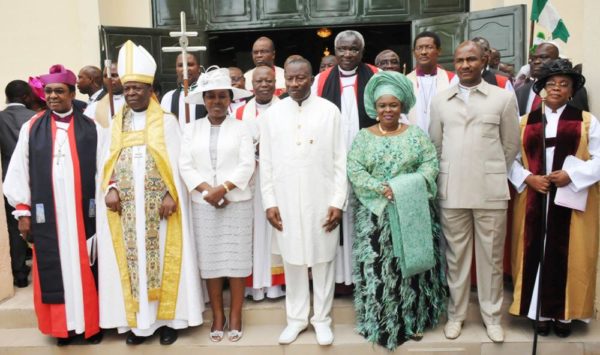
(133, 339)
(562, 330)
(21, 283)
(168, 335)
(64, 341)
(543, 328)
(96, 338)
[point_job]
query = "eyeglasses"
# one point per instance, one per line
(344, 50)
(560, 85)
(388, 62)
(58, 91)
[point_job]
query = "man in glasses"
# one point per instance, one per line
(344, 85)
(428, 78)
(51, 184)
(387, 59)
(527, 99)
(263, 53)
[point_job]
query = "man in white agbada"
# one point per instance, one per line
(304, 186)
(148, 273)
(267, 269)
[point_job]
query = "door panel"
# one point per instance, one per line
(386, 7)
(166, 13)
(279, 9)
(332, 8)
(229, 11)
(503, 27)
(442, 6)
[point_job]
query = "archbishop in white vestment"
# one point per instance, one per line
(148, 272)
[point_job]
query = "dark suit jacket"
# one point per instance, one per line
(579, 101)
(11, 120)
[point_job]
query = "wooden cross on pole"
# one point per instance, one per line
(184, 48)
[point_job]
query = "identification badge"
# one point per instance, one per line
(92, 208)
(40, 215)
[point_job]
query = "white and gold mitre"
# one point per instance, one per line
(136, 64)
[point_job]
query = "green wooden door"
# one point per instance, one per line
(503, 27)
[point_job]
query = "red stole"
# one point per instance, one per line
(554, 274)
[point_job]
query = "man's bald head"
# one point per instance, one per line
(388, 60)
(292, 57)
(544, 53)
(89, 80)
(263, 84)
(263, 52)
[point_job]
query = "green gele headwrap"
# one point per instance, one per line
(389, 83)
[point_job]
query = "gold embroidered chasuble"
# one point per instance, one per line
(158, 180)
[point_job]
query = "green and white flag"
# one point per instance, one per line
(546, 15)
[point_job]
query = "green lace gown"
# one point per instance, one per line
(389, 308)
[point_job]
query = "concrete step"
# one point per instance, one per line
(263, 322)
(262, 339)
(18, 311)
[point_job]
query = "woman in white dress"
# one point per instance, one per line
(217, 164)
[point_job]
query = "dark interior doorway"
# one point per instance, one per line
(233, 48)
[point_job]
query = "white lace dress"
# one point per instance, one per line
(224, 235)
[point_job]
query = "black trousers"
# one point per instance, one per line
(18, 247)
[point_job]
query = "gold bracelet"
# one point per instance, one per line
(226, 188)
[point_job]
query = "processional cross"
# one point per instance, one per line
(184, 48)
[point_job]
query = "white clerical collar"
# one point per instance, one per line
(63, 115)
(95, 95)
(348, 72)
(259, 105)
(138, 113)
(558, 111)
(15, 104)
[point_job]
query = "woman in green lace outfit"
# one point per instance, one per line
(398, 269)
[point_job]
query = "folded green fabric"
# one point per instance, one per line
(410, 224)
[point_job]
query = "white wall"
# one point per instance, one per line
(35, 34)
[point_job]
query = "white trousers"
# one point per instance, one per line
(297, 300)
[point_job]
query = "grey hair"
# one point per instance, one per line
(350, 33)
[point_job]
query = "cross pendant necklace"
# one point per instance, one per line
(59, 154)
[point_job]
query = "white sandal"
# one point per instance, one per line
(234, 335)
(216, 335)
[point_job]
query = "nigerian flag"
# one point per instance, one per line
(546, 15)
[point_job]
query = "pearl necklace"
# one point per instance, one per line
(384, 132)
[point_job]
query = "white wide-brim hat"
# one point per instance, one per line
(216, 79)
